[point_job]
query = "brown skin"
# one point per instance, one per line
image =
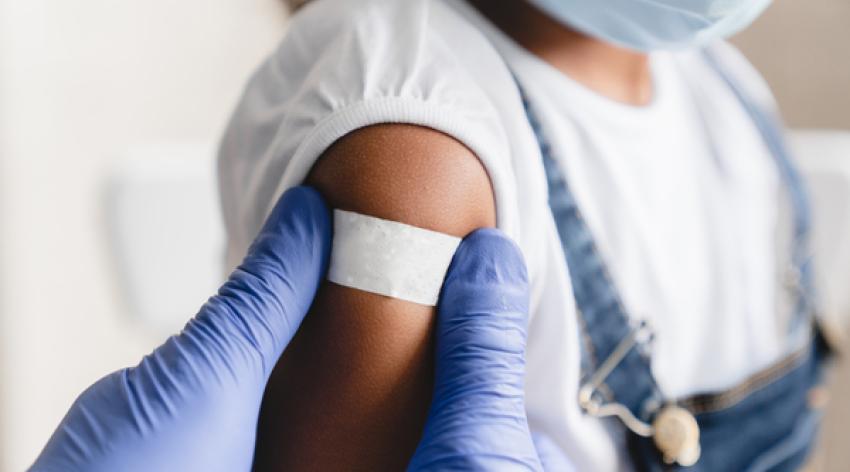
(363, 363)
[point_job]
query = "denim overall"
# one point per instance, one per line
(763, 424)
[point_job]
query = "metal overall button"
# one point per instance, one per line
(676, 435)
(675, 430)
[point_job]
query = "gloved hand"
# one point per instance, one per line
(477, 418)
(192, 404)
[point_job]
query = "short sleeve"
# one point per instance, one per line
(344, 65)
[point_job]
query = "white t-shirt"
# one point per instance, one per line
(680, 195)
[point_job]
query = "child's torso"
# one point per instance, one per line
(681, 196)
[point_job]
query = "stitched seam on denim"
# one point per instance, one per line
(585, 338)
(719, 401)
(603, 268)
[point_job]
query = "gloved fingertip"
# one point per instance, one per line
(303, 201)
(274, 286)
(488, 253)
(550, 454)
(477, 420)
(303, 207)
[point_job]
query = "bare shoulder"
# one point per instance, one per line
(364, 362)
(407, 173)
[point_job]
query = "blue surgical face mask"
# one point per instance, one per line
(655, 24)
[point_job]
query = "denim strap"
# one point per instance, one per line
(603, 316)
(771, 128)
(604, 320)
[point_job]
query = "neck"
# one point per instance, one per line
(614, 72)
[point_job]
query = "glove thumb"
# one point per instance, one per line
(477, 419)
(262, 304)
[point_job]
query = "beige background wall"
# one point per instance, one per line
(803, 49)
(80, 82)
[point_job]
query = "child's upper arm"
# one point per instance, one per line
(352, 390)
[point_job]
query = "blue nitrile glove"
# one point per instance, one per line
(192, 404)
(477, 419)
(551, 456)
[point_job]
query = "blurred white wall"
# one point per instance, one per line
(80, 83)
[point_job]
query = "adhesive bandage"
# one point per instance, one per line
(389, 258)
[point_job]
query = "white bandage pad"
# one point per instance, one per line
(389, 258)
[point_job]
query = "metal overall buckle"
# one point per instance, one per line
(674, 430)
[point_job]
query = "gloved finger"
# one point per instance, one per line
(204, 386)
(551, 456)
(477, 419)
(257, 311)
